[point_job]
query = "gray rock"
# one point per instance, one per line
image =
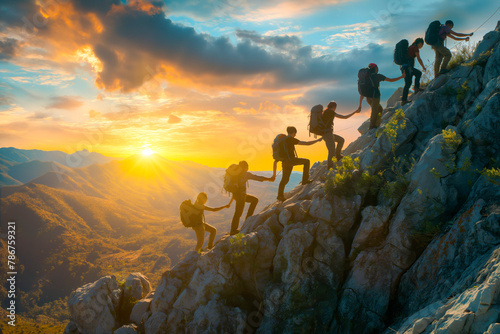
(372, 228)
(94, 306)
(139, 309)
(136, 286)
(395, 98)
(126, 329)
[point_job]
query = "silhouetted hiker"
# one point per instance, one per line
(368, 86)
(436, 36)
(192, 215)
(330, 139)
(289, 159)
(235, 182)
(410, 70)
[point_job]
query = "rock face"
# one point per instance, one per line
(417, 253)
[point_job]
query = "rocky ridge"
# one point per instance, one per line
(419, 255)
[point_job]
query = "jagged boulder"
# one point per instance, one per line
(93, 307)
(136, 286)
(126, 329)
(372, 229)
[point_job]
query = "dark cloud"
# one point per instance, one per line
(9, 47)
(172, 119)
(64, 102)
(283, 42)
(39, 115)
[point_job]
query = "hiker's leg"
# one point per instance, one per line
(340, 143)
(238, 211)
(213, 232)
(330, 145)
(373, 116)
(200, 237)
(287, 171)
(447, 56)
(417, 75)
(408, 80)
(253, 204)
(305, 171)
(437, 61)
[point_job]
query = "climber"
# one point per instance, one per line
(410, 70)
(292, 160)
(203, 227)
(368, 86)
(236, 183)
(330, 139)
(441, 51)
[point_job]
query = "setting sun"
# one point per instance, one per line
(147, 152)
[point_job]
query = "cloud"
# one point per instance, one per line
(172, 119)
(282, 42)
(9, 47)
(64, 102)
(39, 115)
(247, 10)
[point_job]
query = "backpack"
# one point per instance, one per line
(190, 215)
(432, 34)
(279, 151)
(232, 178)
(316, 124)
(366, 87)
(401, 52)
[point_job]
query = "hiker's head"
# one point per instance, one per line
(243, 165)
(292, 131)
(419, 42)
(332, 105)
(202, 198)
(449, 23)
(373, 67)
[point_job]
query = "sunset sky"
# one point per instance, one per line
(211, 81)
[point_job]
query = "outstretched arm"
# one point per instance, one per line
(217, 209)
(396, 79)
(459, 34)
(259, 178)
(458, 39)
(275, 167)
(347, 116)
(307, 143)
(421, 62)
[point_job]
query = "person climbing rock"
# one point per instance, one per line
(235, 182)
(443, 54)
(201, 227)
(368, 86)
(410, 70)
(329, 137)
(291, 160)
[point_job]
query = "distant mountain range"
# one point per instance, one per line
(20, 166)
(108, 216)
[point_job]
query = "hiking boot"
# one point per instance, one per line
(339, 157)
(405, 102)
(234, 232)
(444, 71)
(281, 198)
(305, 182)
(417, 90)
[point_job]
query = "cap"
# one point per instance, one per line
(372, 65)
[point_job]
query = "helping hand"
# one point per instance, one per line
(272, 178)
(403, 75)
(467, 39)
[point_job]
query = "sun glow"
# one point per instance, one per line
(147, 152)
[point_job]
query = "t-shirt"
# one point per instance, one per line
(443, 32)
(376, 79)
(242, 181)
(290, 143)
(412, 53)
(328, 118)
